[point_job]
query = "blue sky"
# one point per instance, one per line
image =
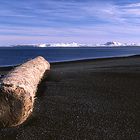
(82, 21)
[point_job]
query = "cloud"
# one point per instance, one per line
(132, 5)
(52, 12)
(89, 34)
(63, 20)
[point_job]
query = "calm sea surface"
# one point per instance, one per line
(17, 55)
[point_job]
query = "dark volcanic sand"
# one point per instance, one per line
(85, 100)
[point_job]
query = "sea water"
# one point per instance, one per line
(18, 55)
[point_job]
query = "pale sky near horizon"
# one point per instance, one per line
(82, 21)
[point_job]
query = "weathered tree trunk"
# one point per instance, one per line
(17, 91)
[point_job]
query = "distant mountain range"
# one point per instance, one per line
(107, 44)
(113, 43)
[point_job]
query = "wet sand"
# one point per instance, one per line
(98, 99)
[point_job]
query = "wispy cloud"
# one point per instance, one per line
(133, 5)
(63, 11)
(91, 21)
(89, 34)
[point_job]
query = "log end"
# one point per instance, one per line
(14, 110)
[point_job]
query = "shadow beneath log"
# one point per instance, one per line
(49, 77)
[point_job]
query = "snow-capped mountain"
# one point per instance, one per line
(115, 44)
(107, 44)
(73, 44)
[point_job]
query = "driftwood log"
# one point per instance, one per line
(17, 91)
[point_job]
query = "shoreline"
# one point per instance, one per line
(9, 67)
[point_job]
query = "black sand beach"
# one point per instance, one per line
(85, 100)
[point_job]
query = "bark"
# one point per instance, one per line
(18, 89)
